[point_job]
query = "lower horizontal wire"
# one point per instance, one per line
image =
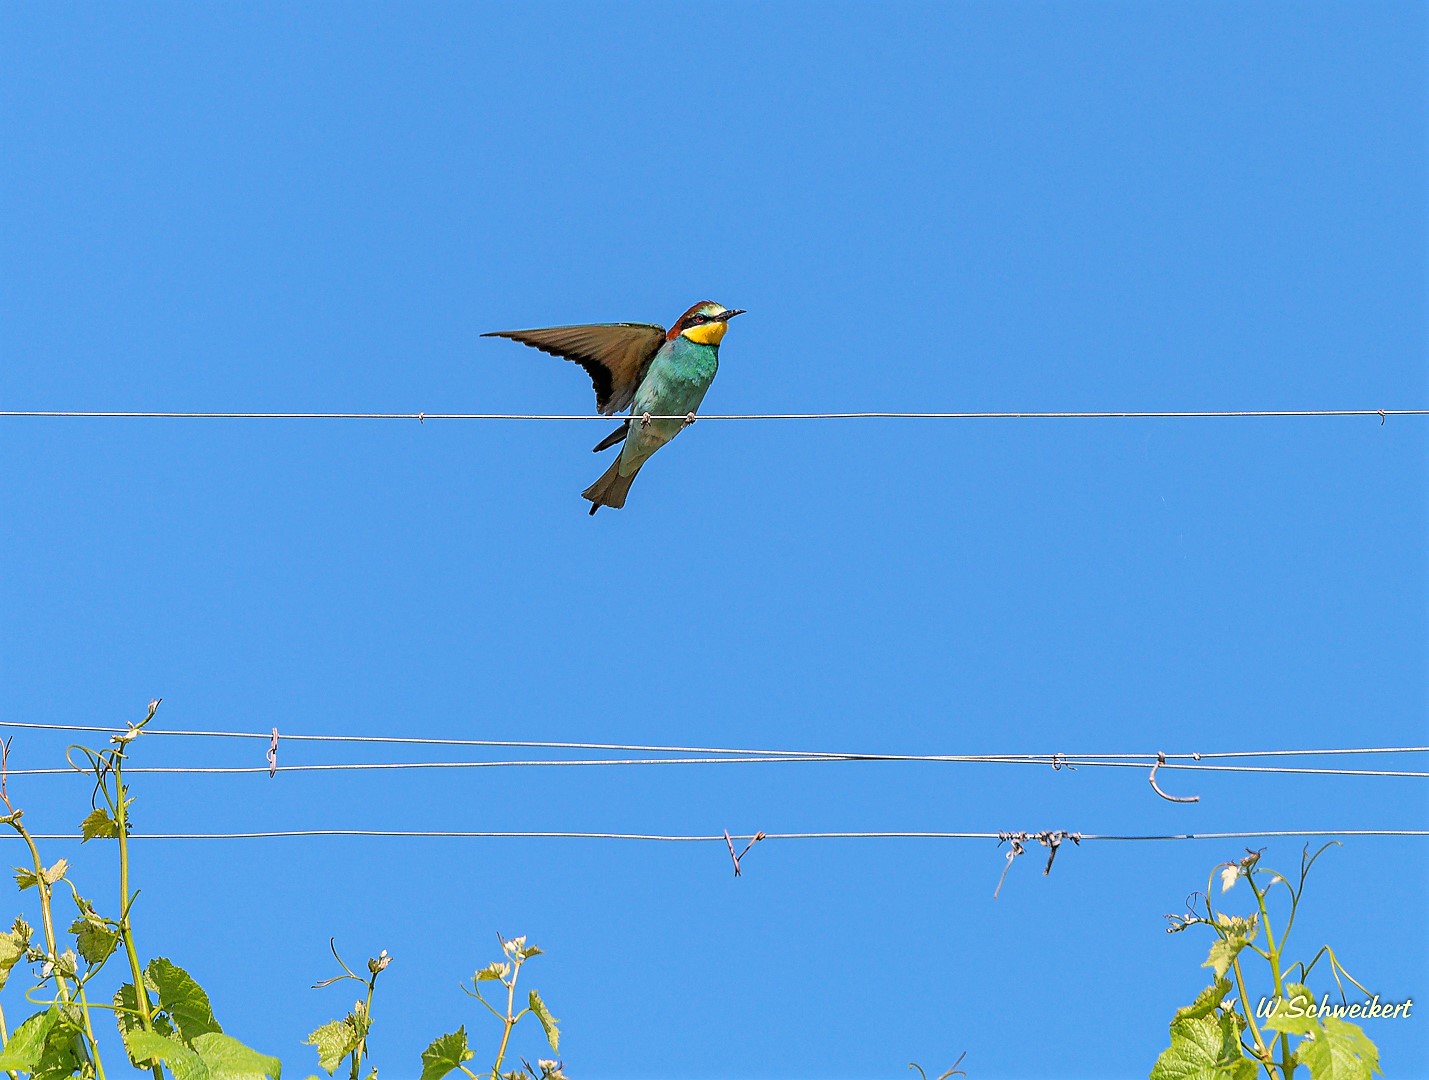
(703, 839)
(1058, 762)
(1151, 414)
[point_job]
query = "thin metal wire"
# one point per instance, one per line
(221, 770)
(720, 837)
(1062, 761)
(408, 740)
(1299, 753)
(1039, 759)
(1289, 769)
(1157, 414)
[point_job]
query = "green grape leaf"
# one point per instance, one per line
(1238, 932)
(1223, 954)
(126, 1010)
(445, 1054)
(1339, 1051)
(98, 825)
(64, 1053)
(13, 944)
(26, 878)
(67, 963)
(1203, 1048)
(1206, 1001)
(183, 999)
(334, 1041)
(228, 1059)
(95, 940)
(1292, 1013)
(543, 1014)
(22, 1052)
(149, 1046)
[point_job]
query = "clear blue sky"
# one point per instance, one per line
(983, 207)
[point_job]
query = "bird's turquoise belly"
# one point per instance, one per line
(675, 389)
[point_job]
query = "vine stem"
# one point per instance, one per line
(361, 1051)
(509, 1019)
(1287, 1061)
(1264, 1054)
(46, 890)
(126, 929)
(89, 1031)
(4, 1038)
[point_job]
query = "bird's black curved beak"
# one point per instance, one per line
(725, 316)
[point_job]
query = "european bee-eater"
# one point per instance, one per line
(654, 371)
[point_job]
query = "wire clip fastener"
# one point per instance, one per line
(735, 858)
(1048, 838)
(273, 755)
(1161, 760)
(1053, 840)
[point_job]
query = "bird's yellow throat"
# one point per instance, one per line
(709, 333)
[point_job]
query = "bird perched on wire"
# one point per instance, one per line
(657, 373)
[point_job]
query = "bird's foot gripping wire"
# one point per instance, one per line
(645, 420)
(689, 419)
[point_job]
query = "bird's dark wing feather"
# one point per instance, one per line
(616, 436)
(615, 355)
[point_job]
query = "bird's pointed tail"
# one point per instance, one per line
(611, 489)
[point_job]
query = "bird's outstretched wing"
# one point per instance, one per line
(615, 355)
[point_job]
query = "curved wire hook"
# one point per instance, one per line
(1016, 850)
(1161, 760)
